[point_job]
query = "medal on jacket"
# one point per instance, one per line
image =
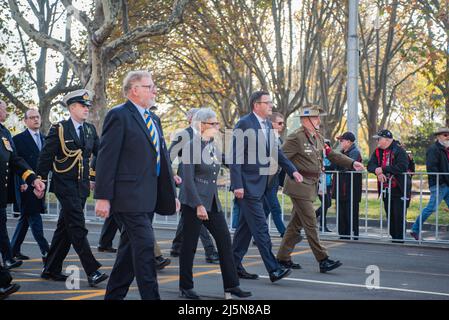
(7, 144)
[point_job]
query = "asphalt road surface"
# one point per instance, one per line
(369, 272)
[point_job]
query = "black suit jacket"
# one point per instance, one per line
(10, 164)
(27, 149)
(64, 183)
(126, 165)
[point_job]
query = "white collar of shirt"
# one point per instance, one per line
(261, 120)
(33, 133)
(76, 124)
(140, 109)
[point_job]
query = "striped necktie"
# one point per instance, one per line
(152, 128)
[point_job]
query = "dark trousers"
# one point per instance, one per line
(219, 229)
(205, 237)
(135, 258)
(344, 217)
(327, 204)
(5, 246)
(34, 221)
(396, 216)
(253, 222)
(108, 232)
(71, 230)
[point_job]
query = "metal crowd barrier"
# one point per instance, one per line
(371, 227)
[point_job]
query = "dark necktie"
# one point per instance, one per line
(81, 129)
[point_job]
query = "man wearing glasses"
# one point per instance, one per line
(250, 183)
(133, 181)
(437, 160)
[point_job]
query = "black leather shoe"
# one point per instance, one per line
(289, 264)
(174, 253)
(213, 258)
(236, 291)
(189, 294)
(21, 256)
(279, 274)
(328, 265)
(6, 291)
(161, 262)
(243, 274)
(53, 276)
(107, 249)
(11, 264)
(96, 277)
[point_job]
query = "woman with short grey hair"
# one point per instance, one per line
(202, 115)
(201, 205)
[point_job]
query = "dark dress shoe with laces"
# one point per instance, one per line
(236, 291)
(96, 277)
(328, 265)
(21, 256)
(161, 262)
(189, 294)
(107, 249)
(279, 274)
(8, 290)
(55, 276)
(213, 258)
(11, 264)
(243, 274)
(289, 264)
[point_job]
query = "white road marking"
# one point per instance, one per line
(362, 286)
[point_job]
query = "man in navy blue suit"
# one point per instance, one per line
(256, 154)
(28, 144)
(133, 180)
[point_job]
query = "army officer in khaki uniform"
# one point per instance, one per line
(305, 148)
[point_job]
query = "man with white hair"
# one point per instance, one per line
(134, 180)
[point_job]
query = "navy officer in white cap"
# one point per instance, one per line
(68, 147)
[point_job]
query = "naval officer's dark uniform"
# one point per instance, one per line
(67, 155)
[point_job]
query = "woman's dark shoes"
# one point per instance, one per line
(328, 265)
(243, 274)
(236, 291)
(188, 294)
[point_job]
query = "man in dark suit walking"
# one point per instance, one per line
(67, 150)
(28, 145)
(255, 157)
(133, 180)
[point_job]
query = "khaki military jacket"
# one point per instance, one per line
(306, 153)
